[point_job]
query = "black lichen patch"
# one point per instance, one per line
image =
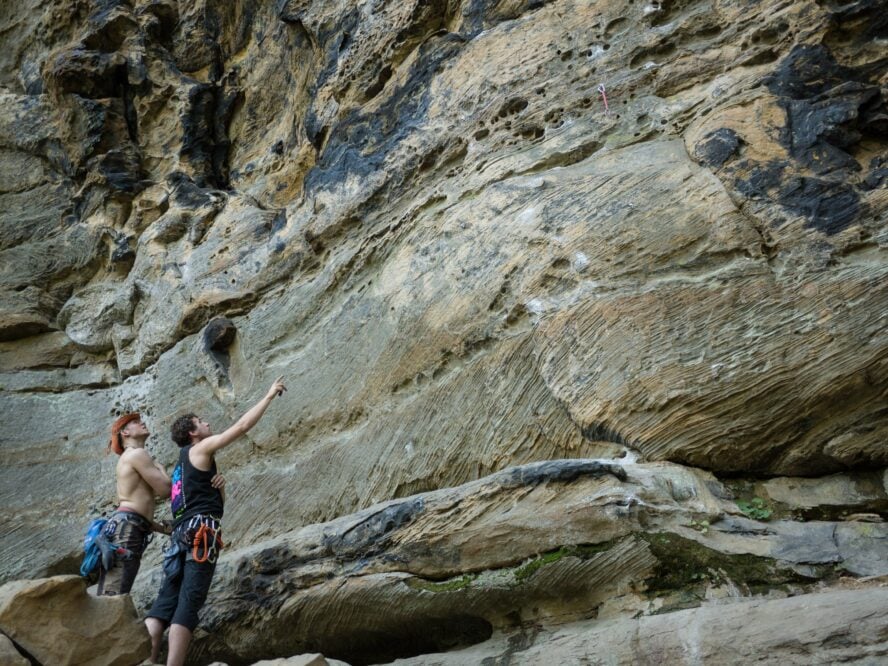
(371, 534)
(809, 70)
(878, 174)
(828, 205)
(562, 471)
(357, 144)
(831, 111)
(205, 142)
(479, 15)
(858, 22)
(717, 147)
(122, 252)
(120, 170)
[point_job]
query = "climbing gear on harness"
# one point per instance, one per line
(207, 541)
(97, 548)
(91, 551)
(199, 538)
(173, 557)
(604, 97)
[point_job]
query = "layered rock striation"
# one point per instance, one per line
(545, 544)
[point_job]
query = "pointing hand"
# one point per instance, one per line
(278, 388)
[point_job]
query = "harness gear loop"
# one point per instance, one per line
(207, 539)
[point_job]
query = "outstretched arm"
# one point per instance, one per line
(204, 450)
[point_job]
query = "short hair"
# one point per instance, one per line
(182, 428)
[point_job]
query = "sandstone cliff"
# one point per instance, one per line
(464, 261)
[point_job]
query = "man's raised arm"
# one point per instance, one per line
(209, 445)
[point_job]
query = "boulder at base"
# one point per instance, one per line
(302, 660)
(9, 655)
(57, 622)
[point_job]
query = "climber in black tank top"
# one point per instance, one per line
(190, 560)
(192, 491)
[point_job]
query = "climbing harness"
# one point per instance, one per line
(207, 541)
(98, 548)
(604, 97)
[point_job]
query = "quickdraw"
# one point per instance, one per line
(207, 542)
(604, 97)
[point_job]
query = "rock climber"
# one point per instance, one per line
(197, 506)
(139, 479)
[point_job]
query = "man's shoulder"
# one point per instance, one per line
(135, 455)
(198, 454)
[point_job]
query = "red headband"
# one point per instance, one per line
(116, 443)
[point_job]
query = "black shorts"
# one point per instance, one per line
(183, 593)
(179, 600)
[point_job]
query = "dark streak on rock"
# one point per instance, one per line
(560, 471)
(830, 109)
(186, 193)
(359, 142)
(717, 147)
(370, 535)
(205, 140)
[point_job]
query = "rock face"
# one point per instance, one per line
(55, 621)
(473, 235)
(530, 546)
(825, 628)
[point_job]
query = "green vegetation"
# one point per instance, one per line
(702, 526)
(756, 508)
(684, 564)
(525, 571)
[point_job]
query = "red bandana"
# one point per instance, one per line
(116, 441)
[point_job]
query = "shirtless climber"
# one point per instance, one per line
(139, 480)
(190, 560)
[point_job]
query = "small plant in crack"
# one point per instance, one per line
(702, 526)
(756, 508)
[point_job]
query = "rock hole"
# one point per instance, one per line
(318, 139)
(512, 107)
(762, 58)
(384, 75)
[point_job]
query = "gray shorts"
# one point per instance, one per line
(132, 531)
